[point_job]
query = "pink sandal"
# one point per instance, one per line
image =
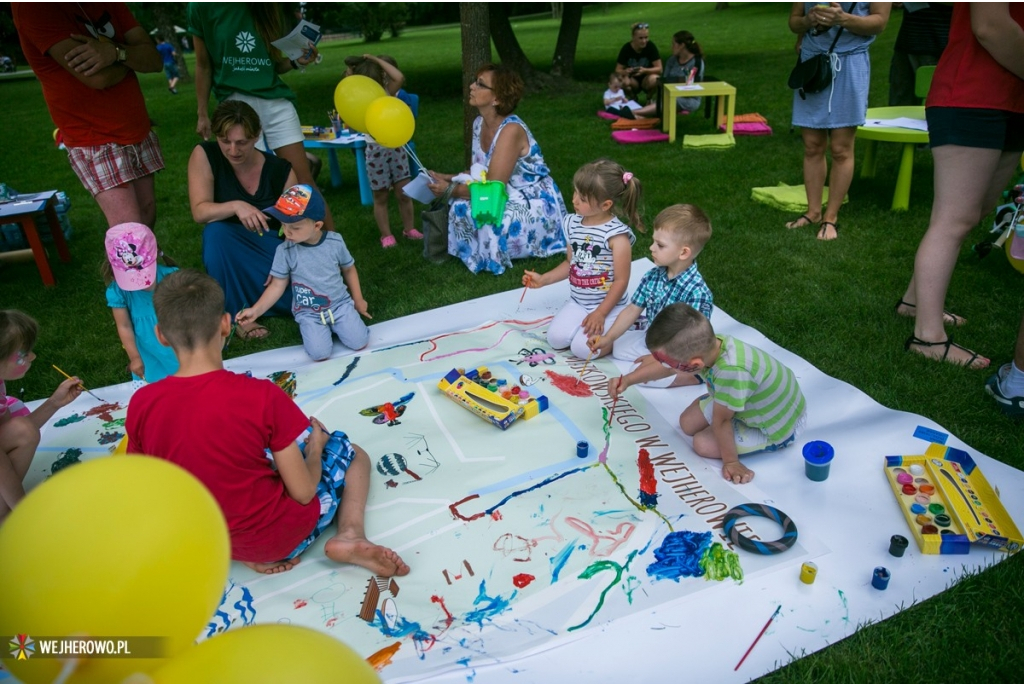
(387, 241)
(413, 234)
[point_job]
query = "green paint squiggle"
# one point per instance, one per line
(720, 563)
(593, 570)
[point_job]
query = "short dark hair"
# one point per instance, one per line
(189, 306)
(18, 332)
(507, 87)
(231, 113)
(682, 332)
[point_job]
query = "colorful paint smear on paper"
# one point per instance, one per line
(648, 481)
(66, 459)
(570, 385)
(381, 659)
(598, 567)
(68, 420)
(720, 563)
(521, 580)
(105, 411)
(110, 437)
(348, 371)
(286, 381)
(679, 555)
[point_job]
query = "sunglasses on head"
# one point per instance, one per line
(642, 25)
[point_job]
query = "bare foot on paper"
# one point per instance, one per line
(274, 566)
(361, 552)
(737, 473)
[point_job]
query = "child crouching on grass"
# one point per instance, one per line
(310, 259)
(216, 424)
(19, 427)
(754, 403)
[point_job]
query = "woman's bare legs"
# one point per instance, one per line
(815, 170)
(841, 145)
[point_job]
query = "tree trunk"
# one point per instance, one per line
(476, 52)
(505, 41)
(564, 59)
(165, 25)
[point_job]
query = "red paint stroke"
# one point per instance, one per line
(521, 580)
(569, 385)
(390, 484)
(382, 658)
(448, 618)
(299, 603)
(648, 483)
(468, 567)
(104, 411)
(330, 623)
(412, 474)
(616, 537)
(509, 544)
(496, 515)
(454, 508)
(526, 324)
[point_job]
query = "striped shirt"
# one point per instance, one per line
(657, 291)
(591, 267)
(759, 388)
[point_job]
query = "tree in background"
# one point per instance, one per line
(371, 19)
(164, 16)
(476, 52)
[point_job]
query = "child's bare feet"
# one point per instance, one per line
(273, 566)
(737, 473)
(361, 552)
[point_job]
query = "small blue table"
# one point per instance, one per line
(357, 145)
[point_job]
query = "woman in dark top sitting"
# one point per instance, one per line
(230, 183)
(639, 64)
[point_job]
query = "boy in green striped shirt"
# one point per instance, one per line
(754, 403)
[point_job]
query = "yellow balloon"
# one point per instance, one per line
(117, 547)
(352, 96)
(269, 653)
(390, 121)
(1017, 264)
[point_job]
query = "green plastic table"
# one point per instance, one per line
(909, 138)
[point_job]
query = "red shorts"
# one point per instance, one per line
(111, 165)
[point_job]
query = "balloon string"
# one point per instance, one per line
(412, 154)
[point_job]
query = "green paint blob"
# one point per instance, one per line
(74, 418)
(720, 563)
(116, 423)
(66, 459)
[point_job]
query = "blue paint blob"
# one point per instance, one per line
(558, 561)
(648, 500)
(492, 606)
(679, 555)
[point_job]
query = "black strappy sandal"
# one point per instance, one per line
(947, 316)
(795, 223)
(946, 344)
(824, 225)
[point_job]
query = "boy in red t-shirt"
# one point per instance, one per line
(217, 425)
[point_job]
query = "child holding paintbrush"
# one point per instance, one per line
(19, 427)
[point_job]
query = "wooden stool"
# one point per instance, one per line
(23, 211)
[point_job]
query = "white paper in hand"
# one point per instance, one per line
(417, 189)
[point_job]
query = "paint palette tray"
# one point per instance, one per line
(467, 390)
(949, 504)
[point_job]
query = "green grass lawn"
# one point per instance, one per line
(831, 303)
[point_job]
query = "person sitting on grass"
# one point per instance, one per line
(680, 233)
(19, 427)
(754, 403)
(216, 424)
(309, 259)
(615, 100)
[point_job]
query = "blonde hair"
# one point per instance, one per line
(189, 306)
(688, 223)
(603, 180)
(682, 332)
(231, 113)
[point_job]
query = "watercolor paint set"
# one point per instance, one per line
(948, 503)
(490, 398)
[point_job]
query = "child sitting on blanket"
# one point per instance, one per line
(615, 100)
(753, 404)
(19, 427)
(217, 425)
(680, 233)
(599, 254)
(310, 259)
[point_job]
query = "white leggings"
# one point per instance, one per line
(566, 329)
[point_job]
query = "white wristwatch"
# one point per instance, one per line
(122, 53)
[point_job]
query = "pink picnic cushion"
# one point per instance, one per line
(754, 128)
(606, 115)
(631, 137)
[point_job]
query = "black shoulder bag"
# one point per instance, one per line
(815, 74)
(435, 228)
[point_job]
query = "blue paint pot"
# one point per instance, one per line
(582, 449)
(880, 578)
(818, 459)
(898, 545)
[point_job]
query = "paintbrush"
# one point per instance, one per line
(756, 639)
(614, 402)
(584, 368)
(525, 288)
(234, 325)
(80, 384)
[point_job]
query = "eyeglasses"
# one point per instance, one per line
(21, 358)
(642, 25)
(480, 84)
(672, 364)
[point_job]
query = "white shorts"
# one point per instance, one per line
(566, 328)
(749, 439)
(278, 118)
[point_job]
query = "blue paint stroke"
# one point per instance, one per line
(244, 606)
(546, 481)
(401, 629)
(492, 606)
(558, 561)
(348, 371)
(648, 500)
(679, 555)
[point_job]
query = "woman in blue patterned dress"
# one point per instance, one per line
(531, 225)
(829, 119)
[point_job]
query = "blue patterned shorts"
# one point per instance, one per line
(337, 457)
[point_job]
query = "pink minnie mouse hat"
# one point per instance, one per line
(132, 253)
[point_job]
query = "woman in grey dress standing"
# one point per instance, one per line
(829, 119)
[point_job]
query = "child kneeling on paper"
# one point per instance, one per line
(310, 258)
(680, 233)
(273, 515)
(754, 403)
